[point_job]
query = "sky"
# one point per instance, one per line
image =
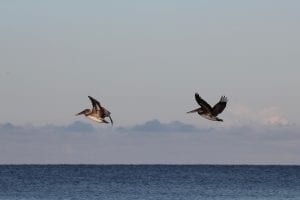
(144, 60)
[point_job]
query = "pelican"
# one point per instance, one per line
(207, 111)
(98, 113)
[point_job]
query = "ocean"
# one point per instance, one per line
(155, 182)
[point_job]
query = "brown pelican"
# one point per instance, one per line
(98, 113)
(207, 111)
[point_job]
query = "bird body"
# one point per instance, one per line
(96, 119)
(207, 111)
(98, 113)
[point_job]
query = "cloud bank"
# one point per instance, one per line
(149, 143)
(155, 125)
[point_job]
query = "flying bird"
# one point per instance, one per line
(98, 113)
(207, 111)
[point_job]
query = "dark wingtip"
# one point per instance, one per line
(111, 120)
(224, 98)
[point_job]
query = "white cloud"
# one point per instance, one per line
(273, 116)
(276, 120)
(267, 116)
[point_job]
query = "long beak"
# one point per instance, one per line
(192, 111)
(82, 112)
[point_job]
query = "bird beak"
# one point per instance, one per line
(82, 112)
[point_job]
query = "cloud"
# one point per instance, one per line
(7, 127)
(276, 120)
(267, 116)
(157, 126)
(272, 116)
(76, 126)
(169, 144)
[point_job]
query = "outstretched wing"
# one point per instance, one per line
(96, 104)
(204, 105)
(220, 106)
(106, 113)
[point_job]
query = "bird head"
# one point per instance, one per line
(85, 112)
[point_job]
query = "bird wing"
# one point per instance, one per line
(106, 113)
(96, 105)
(220, 106)
(204, 105)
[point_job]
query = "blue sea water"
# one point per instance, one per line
(157, 182)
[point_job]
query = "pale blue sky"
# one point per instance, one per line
(145, 59)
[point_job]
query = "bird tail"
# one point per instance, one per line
(196, 110)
